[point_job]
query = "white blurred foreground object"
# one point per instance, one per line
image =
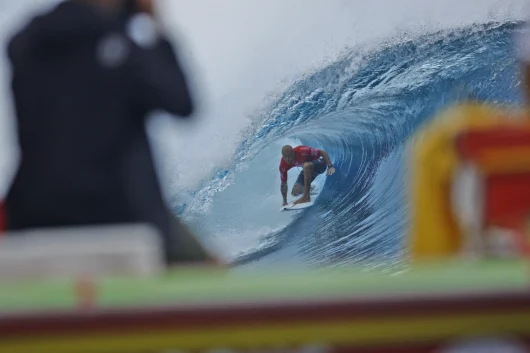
(132, 250)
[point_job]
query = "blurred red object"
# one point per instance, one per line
(498, 191)
(85, 289)
(502, 159)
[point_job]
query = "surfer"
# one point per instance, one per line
(313, 162)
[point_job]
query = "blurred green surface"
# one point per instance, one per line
(198, 286)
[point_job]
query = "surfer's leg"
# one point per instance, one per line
(308, 172)
(319, 167)
(298, 187)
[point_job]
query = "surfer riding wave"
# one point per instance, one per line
(313, 162)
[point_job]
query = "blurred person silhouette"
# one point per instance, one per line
(522, 48)
(85, 76)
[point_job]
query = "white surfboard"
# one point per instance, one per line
(292, 207)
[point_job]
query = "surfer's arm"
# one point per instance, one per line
(284, 188)
(283, 177)
(325, 155)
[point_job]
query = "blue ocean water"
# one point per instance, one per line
(362, 109)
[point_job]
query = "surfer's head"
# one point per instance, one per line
(288, 153)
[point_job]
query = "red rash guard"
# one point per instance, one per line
(302, 154)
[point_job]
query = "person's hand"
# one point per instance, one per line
(331, 170)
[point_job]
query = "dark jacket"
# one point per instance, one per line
(82, 90)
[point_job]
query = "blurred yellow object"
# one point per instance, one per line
(435, 231)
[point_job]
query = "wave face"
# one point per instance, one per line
(362, 109)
